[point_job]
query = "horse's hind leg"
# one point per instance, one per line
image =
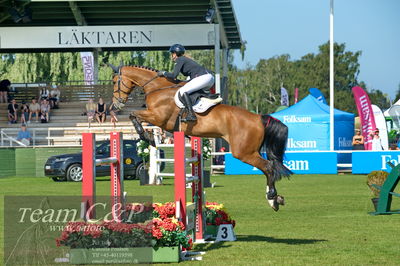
(272, 196)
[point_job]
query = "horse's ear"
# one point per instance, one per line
(114, 68)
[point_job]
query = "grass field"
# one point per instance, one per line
(325, 221)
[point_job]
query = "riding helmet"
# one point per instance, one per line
(178, 49)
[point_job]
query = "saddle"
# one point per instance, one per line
(202, 100)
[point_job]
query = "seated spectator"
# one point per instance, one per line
(101, 111)
(45, 111)
(44, 94)
(220, 159)
(24, 113)
(54, 97)
(113, 114)
(4, 89)
(90, 110)
(24, 135)
(34, 109)
(167, 138)
(12, 112)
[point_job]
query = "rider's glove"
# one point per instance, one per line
(161, 73)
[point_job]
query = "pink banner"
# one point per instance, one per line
(366, 115)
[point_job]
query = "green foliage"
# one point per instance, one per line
(377, 178)
(143, 150)
(207, 149)
(256, 88)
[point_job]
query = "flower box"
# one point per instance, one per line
(212, 230)
(124, 255)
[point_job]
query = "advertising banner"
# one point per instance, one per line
(297, 162)
(364, 162)
(366, 115)
(284, 97)
(88, 67)
(318, 95)
(380, 122)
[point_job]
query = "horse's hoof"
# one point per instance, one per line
(280, 200)
(274, 204)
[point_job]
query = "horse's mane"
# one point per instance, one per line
(143, 67)
(154, 70)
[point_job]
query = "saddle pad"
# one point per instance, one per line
(202, 105)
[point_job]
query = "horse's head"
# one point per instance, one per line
(126, 78)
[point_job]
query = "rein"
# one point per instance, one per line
(137, 84)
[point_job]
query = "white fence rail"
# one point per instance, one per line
(61, 136)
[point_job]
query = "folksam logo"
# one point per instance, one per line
(296, 119)
(310, 144)
(345, 143)
(388, 158)
(297, 165)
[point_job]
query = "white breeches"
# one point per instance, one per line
(203, 81)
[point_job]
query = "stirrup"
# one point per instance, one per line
(190, 117)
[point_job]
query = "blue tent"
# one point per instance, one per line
(308, 123)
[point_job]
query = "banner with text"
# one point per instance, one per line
(366, 115)
(88, 67)
(107, 36)
(364, 162)
(297, 162)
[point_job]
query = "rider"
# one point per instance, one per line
(200, 77)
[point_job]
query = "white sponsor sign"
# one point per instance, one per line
(292, 143)
(106, 36)
(296, 119)
(88, 67)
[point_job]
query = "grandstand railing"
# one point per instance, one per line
(62, 136)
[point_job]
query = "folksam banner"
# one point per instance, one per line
(364, 162)
(88, 67)
(284, 97)
(366, 114)
(297, 162)
(317, 94)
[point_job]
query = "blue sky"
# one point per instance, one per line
(298, 27)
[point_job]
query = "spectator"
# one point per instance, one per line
(24, 113)
(376, 141)
(220, 159)
(24, 136)
(101, 111)
(44, 94)
(4, 89)
(34, 109)
(12, 112)
(167, 138)
(90, 110)
(45, 111)
(358, 141)
(113, 114)
(54, 97)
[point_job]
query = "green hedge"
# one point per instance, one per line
(29, 161)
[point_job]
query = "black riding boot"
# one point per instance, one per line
(188, 104)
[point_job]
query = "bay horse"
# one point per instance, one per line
(246, 132)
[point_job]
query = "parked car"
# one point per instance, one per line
(68, 167)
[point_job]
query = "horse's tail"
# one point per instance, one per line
(275, 139)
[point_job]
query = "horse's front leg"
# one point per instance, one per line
(143, 134)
